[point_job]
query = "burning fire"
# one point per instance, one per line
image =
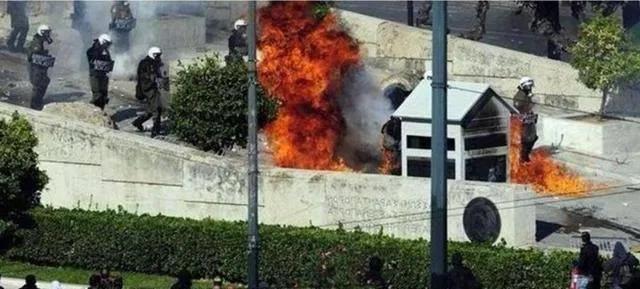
(542, 172)
(388, 162)
(303, 62)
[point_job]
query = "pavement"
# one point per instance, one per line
(14, 283)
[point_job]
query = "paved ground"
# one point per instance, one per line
(13, 283)
(504, 28)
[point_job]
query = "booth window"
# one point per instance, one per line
(424, 142)
(487, 169)
(485, 141)
(421, 167)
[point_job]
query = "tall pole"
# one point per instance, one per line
(410, 13)
(439, 148)
(254, 240)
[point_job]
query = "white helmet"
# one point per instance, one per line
(526, 81)
(238, 23)
(153, 51)
(104, 38)
(42, 28)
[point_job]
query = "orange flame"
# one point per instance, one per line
(388, 162)
(303, 62)
(542, 172)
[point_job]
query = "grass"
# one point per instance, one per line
(15, 269)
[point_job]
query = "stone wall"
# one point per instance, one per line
(97, 168)
(397, 47)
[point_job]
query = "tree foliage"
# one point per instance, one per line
(209, 107)
(604, 56)
(20, 178)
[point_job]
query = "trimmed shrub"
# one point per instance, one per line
(310, 257)
(209, 107)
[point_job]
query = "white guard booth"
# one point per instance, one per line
(477, 132)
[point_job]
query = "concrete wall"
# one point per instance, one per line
(587, 134)
(97, 168)
(396, 47)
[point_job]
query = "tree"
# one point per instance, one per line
(209, 107)
(21, 181)
(604, 56)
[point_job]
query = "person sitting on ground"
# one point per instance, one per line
(460, 276)
(30, 282)
(621, 268)
(183, 282)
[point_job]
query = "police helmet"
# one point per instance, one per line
(43, 28)
(239, 23)
(104, 38)
(154, 52)
(526, 82)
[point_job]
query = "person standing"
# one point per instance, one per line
(19, 25)
(30, 282)
(523, 101)
(589, 262)
(122, 22)
(100, 65)
(1, 280)
(39, 63)
(621, 268)
(237, 42)
(151, 80)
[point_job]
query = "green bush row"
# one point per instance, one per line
(311, 257)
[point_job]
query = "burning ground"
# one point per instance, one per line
(545, 175)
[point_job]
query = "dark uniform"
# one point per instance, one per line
(523, 103)
(589, 263)
(120, 10)
(19, 24)
(98, 78)
(237, 45)
(152, 79)
(391, 143)
(37, 73)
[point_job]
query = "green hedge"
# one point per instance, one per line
(165, 245)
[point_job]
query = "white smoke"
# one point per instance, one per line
(365, 110)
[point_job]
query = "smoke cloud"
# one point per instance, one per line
(365, 110)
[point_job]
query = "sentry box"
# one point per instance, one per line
(477, 132)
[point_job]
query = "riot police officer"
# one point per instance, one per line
(39, 62)
(100, 64)
(237, 42)
(152, 78)
(19, 24)
(523, 101)
(122, 22)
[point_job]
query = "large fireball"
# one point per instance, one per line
(303, 60)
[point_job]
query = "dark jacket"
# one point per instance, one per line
(18, 12)
(97, 52)
(237, 43)
(120, 11)
(589, 262)
(148, 73)
(522, 101)
(37, 47)
(620, 257)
